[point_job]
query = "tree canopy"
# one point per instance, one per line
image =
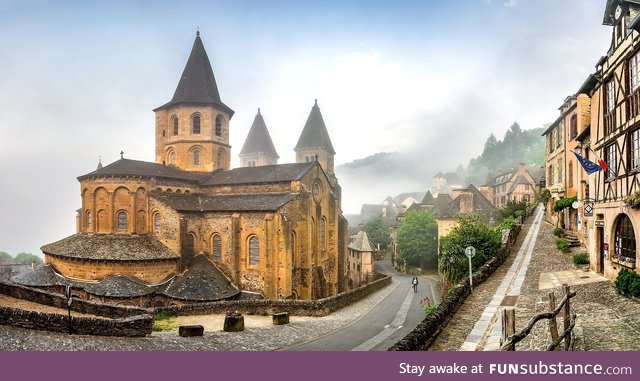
(5, 257)
(378, 230)
(417, 239)
(27, 259)
(467, 232)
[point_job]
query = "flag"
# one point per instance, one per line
(603, 165)
(589, 166)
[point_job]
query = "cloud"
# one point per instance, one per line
(511, 3)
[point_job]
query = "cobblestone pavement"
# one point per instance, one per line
(254, 338)
(605, 320)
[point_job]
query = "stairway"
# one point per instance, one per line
(572, 238)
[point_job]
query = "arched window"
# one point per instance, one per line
(196, 157)
(323, 232)
(171, 159)
(157, 223)
(217, 248)
(195, 124)
(123, 223)
(218, 129)
(89, 220)
(220, 158)
(254, 251)
(174, 120)
(625, 238)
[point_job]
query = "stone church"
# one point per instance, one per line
(188, 228)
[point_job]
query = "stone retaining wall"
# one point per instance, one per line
(58, 300)
(320, 307)
(423, 336)
(136, 326)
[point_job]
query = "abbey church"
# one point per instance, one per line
(188, 228)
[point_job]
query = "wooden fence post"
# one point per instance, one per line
(553, 325)
(508, 325)
(567, 317)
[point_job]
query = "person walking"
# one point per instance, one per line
(414, 283)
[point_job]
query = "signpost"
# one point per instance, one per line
(67, 294)
(470, 251)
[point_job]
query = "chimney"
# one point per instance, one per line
(466, 203)
(456, 192)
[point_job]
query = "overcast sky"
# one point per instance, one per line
(78, 80)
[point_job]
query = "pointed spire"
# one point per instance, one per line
(258, 139)
(314, 134)
(99, 162)
(197, 83)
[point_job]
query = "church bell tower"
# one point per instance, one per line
(192, 130)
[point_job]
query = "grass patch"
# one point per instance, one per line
(163, 322)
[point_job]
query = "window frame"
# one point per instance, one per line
(253, 252)
(122, 220)
(196, 122)
(176, 125)
(634, 151)
(157, 223)
(624, 238)
(216, 255)
(612, 162)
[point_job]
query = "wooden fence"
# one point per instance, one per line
(510, 338)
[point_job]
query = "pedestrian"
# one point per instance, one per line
(414, 283)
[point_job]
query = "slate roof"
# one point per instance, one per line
(259, 175)
(224, 203)
(41, 276)
(197, 82)
(118, 286)
(481, 205)
(314, 133)
(441, 202)
(428, 199)
(361, 243)
(137, 168)
(258, 139)
(110, 247)
(202, 281)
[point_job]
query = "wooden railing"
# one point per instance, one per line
(510, 338)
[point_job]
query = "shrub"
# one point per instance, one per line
(558, 232)
(562, 244)
(580, 259)
(509, 223)
(564, 202)
(628, 283)
(428, 306)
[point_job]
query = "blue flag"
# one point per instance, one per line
(589, 166)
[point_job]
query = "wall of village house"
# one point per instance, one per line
(182, 144)
(146, 271)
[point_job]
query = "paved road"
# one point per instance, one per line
(397, 314)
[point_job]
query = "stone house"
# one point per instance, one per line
(555, 159)
(188, 222)
(514, 185)
(360, 259)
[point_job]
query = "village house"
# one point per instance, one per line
(615, 138)
(514, 185)
(188, 228)
(360, 259)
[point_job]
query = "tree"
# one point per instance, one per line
(5, 258)
(378, 230)
(468, 232)
(27, 259)
(417, 239)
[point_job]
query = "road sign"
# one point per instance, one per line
(470, 251)
(67, 292)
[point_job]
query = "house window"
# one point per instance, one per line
(157, 223)
(175, 125)
(560, 167)
(217, 248)
(195, 124)
(573, 127)
(612, 171)
(634, 146)
(123, 224)
(550, 176)
(89, 220)
(196, 157)
(634, 71)
(610, 104)
(218, 128)
(254, 251)
(570, 174)
(625, 238)
(552, 145)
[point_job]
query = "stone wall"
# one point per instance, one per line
(59, 301)
(320, 307)
(421, 338)
(136, 326)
